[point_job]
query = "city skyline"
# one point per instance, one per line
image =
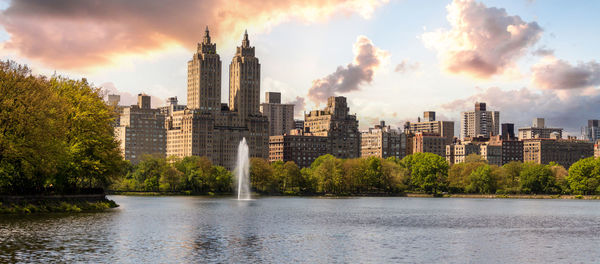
(375, 53)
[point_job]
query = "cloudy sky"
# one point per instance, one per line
(392, 59)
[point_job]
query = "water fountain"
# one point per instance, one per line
(242, 171)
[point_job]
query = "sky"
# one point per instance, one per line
(392, 59)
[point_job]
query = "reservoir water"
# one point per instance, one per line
(310, 230)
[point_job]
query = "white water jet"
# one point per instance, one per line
(242, 171)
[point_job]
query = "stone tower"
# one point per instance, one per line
(244, 81)
(204, 77)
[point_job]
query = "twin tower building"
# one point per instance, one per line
(213, 129)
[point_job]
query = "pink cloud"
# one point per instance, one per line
(71, 34)
(556, 74)
(483, 41)
(367, 59)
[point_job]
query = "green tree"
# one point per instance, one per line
(428, 171)
(328, 172)
(537, 178)
(222, 179)
(511, 173)
(293, 177)
(482, 180)
(32, 132)
(148, 172)
(584, 176)
(261, 176)
(171, 179)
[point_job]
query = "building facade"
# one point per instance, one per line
(382, 141)
(591, 132)
(280, 116)
(336, 123)
(141, 130)
(480, 122)
(429, 142)
(430, 125)
(301, 149)
(563, 152)
(539, 130)
(209, 128)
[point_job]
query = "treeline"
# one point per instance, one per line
(194, 175)
(55, 134)
(420, 173)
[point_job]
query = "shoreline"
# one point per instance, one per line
(409, 195)
(39, 204)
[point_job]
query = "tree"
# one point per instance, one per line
(261, 176)
(293, 177)
(511, 175)
(31, 130)
(537, 178)
(584, 176)
(93, 157)
(171, 179)
(482, 180)
(222, 180)
(459, 175)
(428, 171)
(328, 172)
(148, 172)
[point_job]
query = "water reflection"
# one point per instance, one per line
(276, 230)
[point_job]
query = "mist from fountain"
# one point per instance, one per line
(242, 171)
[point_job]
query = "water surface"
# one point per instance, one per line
(310, 230)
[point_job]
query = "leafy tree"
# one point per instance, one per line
(328, 172)
(584, 176)
(171, 179)
(482, 180)
(511, 174)
(261, 176)
(31, 130)
(428, 171)
(537, 178)
(222, 180)
(293, 177)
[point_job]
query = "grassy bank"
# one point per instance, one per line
(510, 196)
(28, 206)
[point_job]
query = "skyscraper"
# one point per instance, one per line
(336, 123)
(244, 80)
(204, 77)
(281, 116)
(209, 128)
(480, 122)
(141, 130)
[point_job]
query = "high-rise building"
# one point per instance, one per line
(430, 125)
(244, 80)
(336, 123)
(591, 132)
(429, 142)
(508, 131)
(301, 149)
(281, 116)
(539, 130)
(299, 124)
(172, 106)
(382, 141)
(480, 122)
(209, 128)
(562, 151)
(457, 153)
(495, 150)
(204, 77)
(141, 130)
